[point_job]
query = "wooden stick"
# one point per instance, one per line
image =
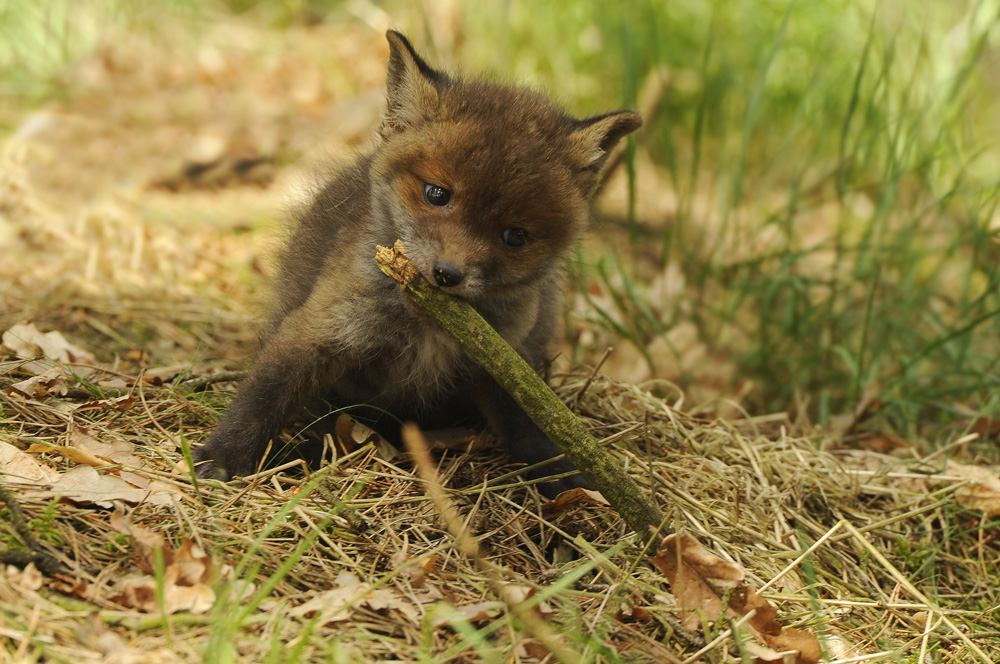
(487, 347)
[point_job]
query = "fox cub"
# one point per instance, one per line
(488, 187)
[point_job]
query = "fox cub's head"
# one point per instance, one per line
(486, 184)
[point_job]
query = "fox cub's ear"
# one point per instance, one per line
(592, 140)
(411, 87)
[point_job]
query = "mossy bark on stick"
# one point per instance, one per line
(488, 348)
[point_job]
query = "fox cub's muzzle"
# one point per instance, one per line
(447, 274)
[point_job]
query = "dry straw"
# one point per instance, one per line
(839, 540)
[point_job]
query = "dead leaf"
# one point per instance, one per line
(330, 605)
(95, 634)
(983, 490)
(457, 439)
(533, 648)
(476, 612)
(194, 565)
(334, 605)
(699, 579)
(139, 592)
(352, 435)
(51, 381)
(161, 375)
(837, 647)
(84, 485)
(390, 599)
(629, 613)
(87, 450)
(114, 383)
(765, 655)
(765, 621)
(115, 451)
(28, 578)
(16, 464)
(186, 572)
(122, 403)
(746, 599)
(135, 479)
(416, 574)
(144, 541)
(431, 565)
(427, 595)
(515, 593)
(74, 454)
(573, 498)
(70, 586)
(25, 340)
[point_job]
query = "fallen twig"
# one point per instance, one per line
(487, 347)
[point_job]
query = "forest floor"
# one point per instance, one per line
(139, 213)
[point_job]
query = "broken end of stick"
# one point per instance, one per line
(395, 263)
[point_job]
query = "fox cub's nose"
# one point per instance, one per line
(446, 274)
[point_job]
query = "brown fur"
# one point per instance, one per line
(340, 329)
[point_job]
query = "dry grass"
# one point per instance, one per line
(900, 564)
(157, 271)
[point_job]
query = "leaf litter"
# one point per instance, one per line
(746, 498)
(93, 451)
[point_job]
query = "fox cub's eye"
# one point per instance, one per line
(436, 195)
(514, 237)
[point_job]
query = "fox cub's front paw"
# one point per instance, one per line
(555, 487)
(224, 457)
(207, 467)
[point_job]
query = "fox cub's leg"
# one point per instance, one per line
(526, 443)
(288, 370)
